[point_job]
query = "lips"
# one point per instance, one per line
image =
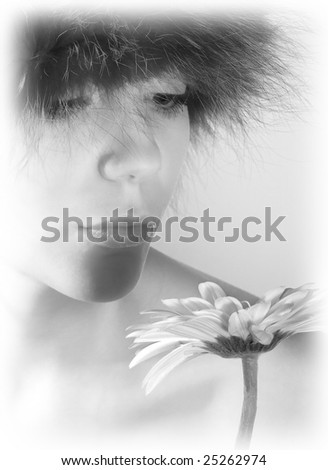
(119, 235)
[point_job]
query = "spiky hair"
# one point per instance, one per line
(230, 64)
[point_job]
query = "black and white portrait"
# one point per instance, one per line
(161, 243)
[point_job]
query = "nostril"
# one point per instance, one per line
(132, 167)
(104, 163)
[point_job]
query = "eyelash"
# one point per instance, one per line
(165, 103)
(64, 108)
(170, 104)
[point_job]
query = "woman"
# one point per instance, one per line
(107, 109)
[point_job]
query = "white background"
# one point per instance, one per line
(284, 167)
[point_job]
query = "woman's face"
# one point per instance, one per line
(94, 155)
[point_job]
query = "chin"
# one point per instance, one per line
(103, 276)
(102, 292)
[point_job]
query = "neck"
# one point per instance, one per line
(51, 347)
(40, 324)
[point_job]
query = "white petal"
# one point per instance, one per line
(261, 336)
(220, 317)
(278, 310)
(175, 306)
(170, 362)
(202, 328)
(158, 314)
(153, 336)
(210, 291)
(273, 295)
(152, 325)
(193, 332)
(195, 303)
(135, 334)
(228, 304)
(272, 322)
(316, 304)
(295, 297)
(238, 324)
(245, 317)
(258, 311)
(219, 327)
(296, 320)
(306, 326)
(153, 350)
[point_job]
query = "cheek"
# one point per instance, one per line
(50, 172)
(173, 141)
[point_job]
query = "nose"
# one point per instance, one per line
(131, 154)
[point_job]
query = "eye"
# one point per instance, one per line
(64, 108)
(169, 102)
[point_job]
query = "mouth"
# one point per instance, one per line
(121, 234)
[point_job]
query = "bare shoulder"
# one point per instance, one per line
(171, 278)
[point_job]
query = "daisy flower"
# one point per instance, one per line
(218, 324)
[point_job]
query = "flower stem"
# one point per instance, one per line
(250, 401)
